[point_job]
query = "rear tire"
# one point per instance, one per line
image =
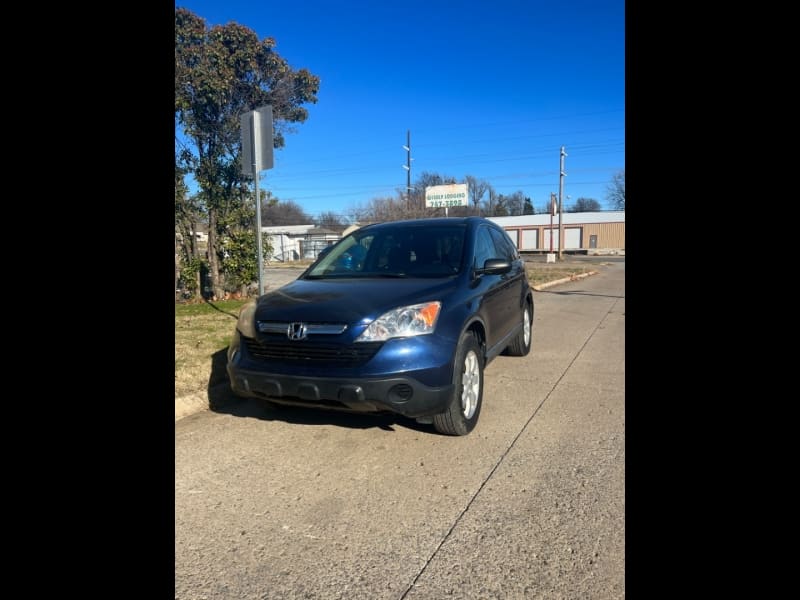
(521, 344)
(464, 408)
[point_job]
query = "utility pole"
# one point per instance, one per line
(407, 167)
(560, 195)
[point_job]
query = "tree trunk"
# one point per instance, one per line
(177, 264)
(213, 261)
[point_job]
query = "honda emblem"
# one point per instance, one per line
(296, 331)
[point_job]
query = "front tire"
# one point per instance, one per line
(464, 408)
(521, 344)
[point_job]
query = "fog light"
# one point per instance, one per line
(399, 394)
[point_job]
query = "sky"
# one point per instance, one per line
(488, 88)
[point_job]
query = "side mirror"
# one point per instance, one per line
(494, 266)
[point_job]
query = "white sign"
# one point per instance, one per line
(257, 140)
(444, 196)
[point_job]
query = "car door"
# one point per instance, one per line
(512, 282)
(492, 288)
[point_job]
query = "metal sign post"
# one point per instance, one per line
(257, 145)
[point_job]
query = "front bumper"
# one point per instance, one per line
(397, 394)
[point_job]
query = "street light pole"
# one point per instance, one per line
(560, 208)
(407, 167)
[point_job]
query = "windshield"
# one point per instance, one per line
(401, 251)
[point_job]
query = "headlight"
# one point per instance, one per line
(417, 319)
(246, 323)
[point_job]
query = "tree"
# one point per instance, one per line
(332, 221)
(188, 216)
(585, 205)
(286, 212)
(514, 203)
(220, 73)
(383, 209)
(413, 206)
(476, 190)
(500, 206)
(490, 205)
(240, 264)
(528, 208)
(425, 179)
(615, 192)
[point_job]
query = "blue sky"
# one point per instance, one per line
(486, 88)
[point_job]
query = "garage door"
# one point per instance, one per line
(572, 238)
(547, 239)
(530, 239)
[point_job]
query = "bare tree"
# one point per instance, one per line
(615, 192)
(476, 189)
(515, 203)
(383, 209)
(585, 205)
(528, 208)
(332, 221)
(285, 212)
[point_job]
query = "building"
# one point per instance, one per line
(293, 242)
(584, 232)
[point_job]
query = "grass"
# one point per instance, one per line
(540, 273)
(203, 330)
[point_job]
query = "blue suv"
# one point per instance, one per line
(397, 317)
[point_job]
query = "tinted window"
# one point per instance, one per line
(414, 251)
(505, 247)
(484, 247)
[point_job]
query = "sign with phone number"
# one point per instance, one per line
(443, 196)
(443, 203)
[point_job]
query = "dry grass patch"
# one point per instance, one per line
(540, 273)
(202, 334)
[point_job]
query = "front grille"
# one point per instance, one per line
(311, 352)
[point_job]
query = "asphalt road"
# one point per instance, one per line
(302, 504)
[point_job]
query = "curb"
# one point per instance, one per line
(542, 286)
(201, 400)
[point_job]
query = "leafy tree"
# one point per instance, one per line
(220, 73)
(615, 192)
(584, 205)
(188, 216)
(240, 265)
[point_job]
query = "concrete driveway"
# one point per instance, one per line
(295, 503)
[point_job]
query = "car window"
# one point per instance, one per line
(346, 258)
(406, 251)
(504, 246)
(484, 247)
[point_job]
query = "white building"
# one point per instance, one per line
(293, 242)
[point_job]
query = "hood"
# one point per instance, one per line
(346, 300)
